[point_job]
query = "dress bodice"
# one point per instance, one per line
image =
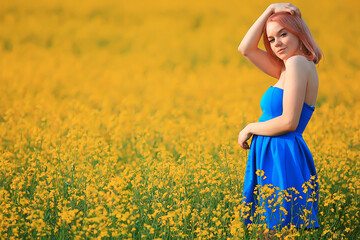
(272, 106)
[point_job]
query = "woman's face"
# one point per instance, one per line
(283, 43)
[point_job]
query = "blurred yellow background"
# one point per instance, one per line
(120, 119)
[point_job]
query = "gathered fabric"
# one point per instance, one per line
(281, 185)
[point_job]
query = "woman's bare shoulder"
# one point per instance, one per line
(297, 59)
(300, 63)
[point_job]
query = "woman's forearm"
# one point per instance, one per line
(273, 127)
(252, 37)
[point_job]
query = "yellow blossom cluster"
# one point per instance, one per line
(119, 120)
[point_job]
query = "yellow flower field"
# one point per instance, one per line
(119, 119)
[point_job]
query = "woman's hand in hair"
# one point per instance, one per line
(284, 7)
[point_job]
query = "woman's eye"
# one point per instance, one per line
(284, 34)
(271, 40)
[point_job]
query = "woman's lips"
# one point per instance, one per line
(281, 50)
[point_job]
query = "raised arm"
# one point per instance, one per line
(249, 45)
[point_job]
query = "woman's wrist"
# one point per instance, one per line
(270, 9)
(250, 128)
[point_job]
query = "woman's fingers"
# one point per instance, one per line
(242, 139)
(244, 145)
(286, 7)
(294, 10)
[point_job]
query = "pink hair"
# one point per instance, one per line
(295, 25)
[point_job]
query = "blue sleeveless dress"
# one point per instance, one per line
(281, 184)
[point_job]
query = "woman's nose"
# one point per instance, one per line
(277, 42)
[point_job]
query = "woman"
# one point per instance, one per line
(280, 180)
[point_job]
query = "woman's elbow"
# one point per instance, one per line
(242, 50)
(291, 125)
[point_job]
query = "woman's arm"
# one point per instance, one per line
(249, 45)
(293, 101)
